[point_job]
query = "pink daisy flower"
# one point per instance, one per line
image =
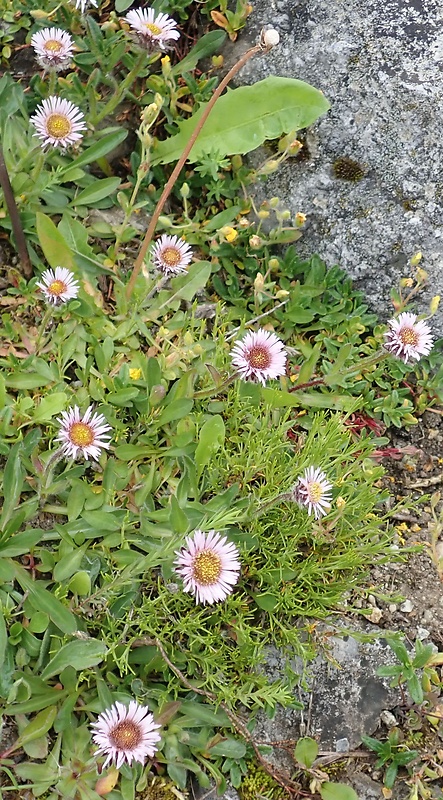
(171, 255)
(53, 48)
(408, 338)
(85, 436)
(259, 356)
(153, 29)
(58, 122)
(209, 566)
(59, 285)
(126, 734)
(313, 491)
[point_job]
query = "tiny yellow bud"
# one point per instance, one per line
(286, 214)
(415, 259)
(299, 219)
(106, 783)
(217, 61)
(273, 263)
(274, 201)
(282, 294)
(269, 167)
(255, 242)
(229, 233)
(263, 214)
(185, 190)
(135, 374)
(188, 339)
(236, 162)
(421, 275)
(406, 282)
(341, 502)
(434, 304)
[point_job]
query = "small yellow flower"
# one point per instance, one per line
(135, 374)
(299, 219)
(229, 233)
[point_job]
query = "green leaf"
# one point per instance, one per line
(223, 218)
(55, 248)
(49, 406)
(208, 44)
(204, 714)
(177, 409)
(306, 751)
(100, 148)
(3, 639)
(40, 725)
(211, 438)
(96, 191)
(79, 654)
(266, 601)
(337, 791)
(390, 775)
(196, 278)
(244, 118)
(69, 564)
(12, 484)
(415, 689)
(21, 543)
(280, 399)
(42, 600)
(229, 748)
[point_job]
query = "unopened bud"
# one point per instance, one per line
(164, 221)
(217, 61)
(273, 264)
(274, 201)
(269, 39)
(185, 190)
(263, 214)
(106, 783)
(236, 162)
(341, 502)
(244, 222)
(285, 215)
(255, 242)
(269, 167)
(166, 65)
(259, 282)
(434, 304)
(282, 294)
(415, 259)
(421, 275)
(406, 283)
(299, 219)
(157, 394)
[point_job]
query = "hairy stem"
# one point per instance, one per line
(16, 222)
(178, 167)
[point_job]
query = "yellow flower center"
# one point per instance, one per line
(126, 736)
(81, 434)
(58, 126)
(258, 357)
(408, 336)
(53, 46)
(171, 256)
(207, 568)
(57, 287)
(135, 374)
(154, 29)
(315, 492)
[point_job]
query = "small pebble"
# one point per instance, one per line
(371, 600)
(388, 718)
(422, 633)
(375, 615)
(392, 608)
(342, 745)
(407, 607)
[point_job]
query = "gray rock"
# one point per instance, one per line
(198, 793)
(380, 65)
(344, 695)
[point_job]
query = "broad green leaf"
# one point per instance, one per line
(223, 218)
(306, 751)
(244, 118)
(280, 399)
(266, 601)
(211, 438)
(80, 583)
(79, 654)
(206, 46)
(55, 248)
(230, 748)
(100, 148)
(26, 380)
(49, 406)
(42, 600)
(337, 791)
(204, 714)
(69, 564)
(21, 543)
(196, 278)
(12, 484)
(177, 409)
(97, 191)
(40, 725)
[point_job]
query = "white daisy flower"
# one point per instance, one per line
(153, 29)
(53, 48)
(58, 285)
(126, 733)
(259, 356)
(82, 5)
(313, 491)
(58, 122)
(171, 255)
(209, 566)
(85, 436)
(408, 338)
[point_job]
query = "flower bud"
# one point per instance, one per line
(217, 61)
(274, 201)
(185, 190)
(263, 214)
(259, 282)
(299, 219)
(229, 233)
(106, 783)
(282, 294)
(269, 167)
(421, 275)
(273, 264)
(434, 304)
(166, 66)
(237, 162)
(255, 242)
(269, 39)
(416, 258)
(285, 215)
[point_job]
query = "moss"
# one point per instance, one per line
(258, 784)
(161, 790)
(346, 169)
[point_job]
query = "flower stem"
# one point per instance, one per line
(16, 222)
(48, 313)
(178, 167)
